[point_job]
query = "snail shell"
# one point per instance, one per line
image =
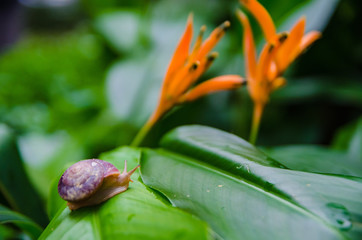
(90, 182)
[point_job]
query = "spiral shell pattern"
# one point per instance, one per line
(81, 180)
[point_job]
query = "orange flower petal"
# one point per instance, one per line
(249, 46)
(161, 109)
(212, 40)
(272, 71)
(278, 83)
(181, 80)
(197, 44)
(193, 76)
(205, 63)
(181, 52)
(265, 60)
(307, 40)
(288, 49)
(262, 16)
(225, 82)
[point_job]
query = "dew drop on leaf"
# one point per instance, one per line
(340, 215)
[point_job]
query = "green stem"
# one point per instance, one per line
(258, 112)
(157, 114)
(141, 135)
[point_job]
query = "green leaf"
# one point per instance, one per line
(239, 190)
(317, 13)
(45, 155)
(349, 139)
(137, 213)
(51, 98)
(50, 92)
(24, 223)
(321, 87)
(316, 159)
(15, 186)
(55, 202)
(133, 84)
(6, 232)
(140, 93)
(120, 28)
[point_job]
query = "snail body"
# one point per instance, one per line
(90, 182)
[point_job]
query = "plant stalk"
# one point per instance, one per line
(141, 135)
(258, 112)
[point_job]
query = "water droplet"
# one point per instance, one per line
(340, 215)
(188, 195)
(207, 190)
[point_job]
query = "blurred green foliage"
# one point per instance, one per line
(14, 183)
(71, 93)
(52, 81)
(28, 226)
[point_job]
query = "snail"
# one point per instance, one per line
(90, 182)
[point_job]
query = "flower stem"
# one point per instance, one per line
(258, 112)
(141, 135)
(156, 115)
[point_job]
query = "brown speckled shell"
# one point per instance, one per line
(84, 178)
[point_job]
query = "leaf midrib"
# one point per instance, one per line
(96, 226)
(211, 168)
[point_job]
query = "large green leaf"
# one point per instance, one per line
(243, 194)
(137, 213)
(317, 159)
(24, 223)
(15, 185)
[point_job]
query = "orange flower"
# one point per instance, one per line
(265, 75)
(184, 70)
